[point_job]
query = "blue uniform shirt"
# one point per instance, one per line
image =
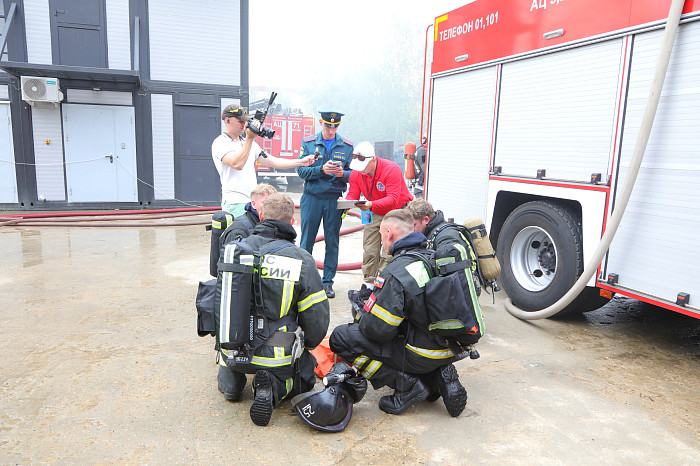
(316, 182)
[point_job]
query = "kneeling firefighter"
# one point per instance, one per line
(272, 309)
(407, 336)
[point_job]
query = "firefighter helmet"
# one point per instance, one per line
(328, 410)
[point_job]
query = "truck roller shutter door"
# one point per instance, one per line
(558, 112)
(460, 142)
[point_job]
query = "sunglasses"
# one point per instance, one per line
(330, 125)
(361, 158)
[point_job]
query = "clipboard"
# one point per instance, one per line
(347, 204)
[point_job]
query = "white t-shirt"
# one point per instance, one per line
(236, 185)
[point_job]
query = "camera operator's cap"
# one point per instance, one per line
(331, 118)
(235, 111)
(362, 155)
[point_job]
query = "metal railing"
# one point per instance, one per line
(8, 21)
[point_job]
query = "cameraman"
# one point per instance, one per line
(235, 152)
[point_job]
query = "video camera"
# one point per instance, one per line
(260, 115)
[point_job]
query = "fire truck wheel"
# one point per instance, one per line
(540, 249)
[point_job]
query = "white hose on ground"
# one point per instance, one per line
(657, 85)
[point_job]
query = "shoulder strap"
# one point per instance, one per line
(429, 261)
(274, 246)
(246, 223)
(260, 316)
(434, 234)
(444, 227)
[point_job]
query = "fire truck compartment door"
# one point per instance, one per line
(558, 112)
(461, 131)
(655, 250)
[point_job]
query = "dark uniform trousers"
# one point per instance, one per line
(313, 209)
(380, 362)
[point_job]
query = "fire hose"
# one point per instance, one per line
(101, 219)
(672, 23)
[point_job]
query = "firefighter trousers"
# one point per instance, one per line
(380, 363)
(283, 386)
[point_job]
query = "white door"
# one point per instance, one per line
(8, 180)
(100, 151)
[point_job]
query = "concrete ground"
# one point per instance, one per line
(101, 364)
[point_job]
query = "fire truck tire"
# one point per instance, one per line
(540, 249)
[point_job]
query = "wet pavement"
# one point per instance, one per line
(101, 364)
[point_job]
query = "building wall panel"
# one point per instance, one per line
(46, 126)
(38, 29)
(186, 42)
(163, 150)
(118, 35)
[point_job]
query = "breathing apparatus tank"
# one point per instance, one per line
(490, 267)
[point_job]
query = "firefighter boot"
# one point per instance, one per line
(263, 404)
(454, 395)
(430, 381)
(409, 390)
(364, 293)
(230, 383)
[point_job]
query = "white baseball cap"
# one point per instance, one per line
(362, 154)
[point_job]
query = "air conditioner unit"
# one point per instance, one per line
(36, 89)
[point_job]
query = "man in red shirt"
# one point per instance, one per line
(382, 184)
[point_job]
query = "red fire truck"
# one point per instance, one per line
(534, 108)
(290, 130)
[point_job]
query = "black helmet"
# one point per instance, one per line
(352, 383)
(328, 410)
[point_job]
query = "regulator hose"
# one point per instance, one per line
(657, 85)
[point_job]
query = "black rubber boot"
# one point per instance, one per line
(364, 293)
(454, 395)
(230, 383)
(430, 381)
(263, 404)
(409, 391)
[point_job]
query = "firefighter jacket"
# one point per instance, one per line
(316, 182)
(397, 307)
(290, 284)
(449, 237)
(241, 226)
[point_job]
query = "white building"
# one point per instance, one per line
(115, 103)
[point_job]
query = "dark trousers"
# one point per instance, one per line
(313, 210)
(283, 386)
(379, 362)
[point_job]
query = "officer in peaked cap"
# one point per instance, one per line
(324, 182)
(331, 118)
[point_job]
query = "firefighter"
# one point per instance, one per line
(324, 182)
(390, 345)
(294, 286)
(242, 225)
(428, 221)
(420, 162)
